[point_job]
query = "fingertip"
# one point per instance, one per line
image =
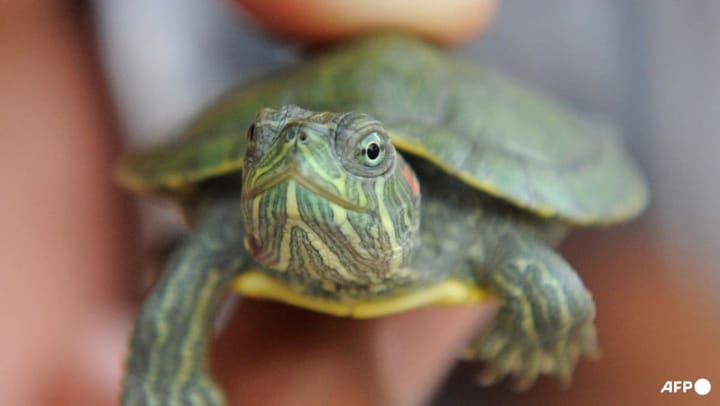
(416, 349)
(449, 22)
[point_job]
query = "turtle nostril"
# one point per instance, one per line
(303, 137)
(290, 136)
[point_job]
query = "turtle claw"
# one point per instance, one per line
(524, 359)
(488, 376)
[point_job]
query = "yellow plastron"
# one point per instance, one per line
(259, 285)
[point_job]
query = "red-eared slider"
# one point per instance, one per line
(381, 176)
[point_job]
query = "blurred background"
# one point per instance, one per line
(653, 67)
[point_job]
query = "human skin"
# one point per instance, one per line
(446, 22)
(67, 243)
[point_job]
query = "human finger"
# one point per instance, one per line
(275, 354)
(447, 22)
(61, 249)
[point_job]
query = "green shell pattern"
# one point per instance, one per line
(477, 125)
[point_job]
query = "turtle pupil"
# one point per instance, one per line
(372, 151)
(251, 132)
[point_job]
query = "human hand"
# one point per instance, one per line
(65, 253)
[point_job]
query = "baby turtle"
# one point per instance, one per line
(407, 178)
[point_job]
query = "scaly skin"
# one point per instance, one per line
(167, 363)
(316, 206)
(546, 320)
(544, 324)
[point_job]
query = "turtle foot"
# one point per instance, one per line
(525, 358)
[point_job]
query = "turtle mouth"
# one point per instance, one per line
(291, 175)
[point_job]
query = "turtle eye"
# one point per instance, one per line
(371, 149)
(251, 133)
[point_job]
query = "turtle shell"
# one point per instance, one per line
(474, 124)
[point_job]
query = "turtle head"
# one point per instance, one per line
(327, 197)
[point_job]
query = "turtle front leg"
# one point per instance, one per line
(167, 363)
(546, 320)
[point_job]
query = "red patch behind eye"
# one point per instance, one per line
(409, 176)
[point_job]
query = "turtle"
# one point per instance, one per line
(381, 175)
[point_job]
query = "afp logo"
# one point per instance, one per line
(701, 386)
